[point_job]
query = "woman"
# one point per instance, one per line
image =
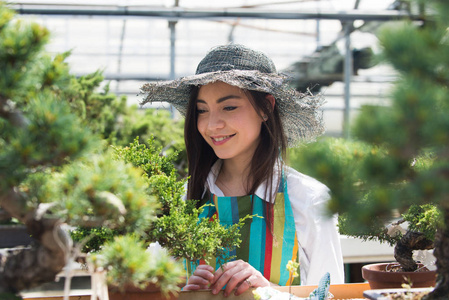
(240, 117)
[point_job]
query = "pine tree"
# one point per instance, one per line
(398, 160)
(53, 168)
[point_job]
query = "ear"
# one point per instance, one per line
(272, 101)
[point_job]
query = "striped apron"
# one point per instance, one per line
(268, 251)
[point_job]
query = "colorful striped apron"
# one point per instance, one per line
(270, 249)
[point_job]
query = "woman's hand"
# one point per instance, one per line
(201, 278)
(238, 275)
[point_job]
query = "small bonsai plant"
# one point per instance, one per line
(185, 238)
(177, 227)
(128, 263)
(400, 161)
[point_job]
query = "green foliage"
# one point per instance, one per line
(92, 238)
(54, 157)
(100, 111)
(159, 170)
(178, 228)
(337, 163)
(147, 156)
(374, 231)
(367, 185)
(398, 159)
(136, 266)
(51, 136)
(185, 236)
(9, 296)
(102, 191)
(20, 45)
(424, 218)
(161, 128)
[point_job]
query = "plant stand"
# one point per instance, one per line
(132, 293)
(352, 291)
(14, 235)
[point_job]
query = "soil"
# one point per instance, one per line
(394, 267)
(405, 295)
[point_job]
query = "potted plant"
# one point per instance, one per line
(133, 272)
(341, 165)
(182, 239)
(398, 156)
(177, 227)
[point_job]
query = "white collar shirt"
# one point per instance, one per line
(318, 239)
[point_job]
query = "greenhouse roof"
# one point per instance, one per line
(136, 41)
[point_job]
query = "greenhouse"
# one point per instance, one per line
(243, 149)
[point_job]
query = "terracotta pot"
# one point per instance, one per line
(133, 293)
(379, 278)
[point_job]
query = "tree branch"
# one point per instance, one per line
(28, 267)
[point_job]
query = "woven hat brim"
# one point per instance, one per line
(300, 113)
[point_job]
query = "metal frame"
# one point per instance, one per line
(176, 13)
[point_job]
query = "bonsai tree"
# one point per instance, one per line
(398, 161)
(177, 227)
(57, 169)
(342, 165)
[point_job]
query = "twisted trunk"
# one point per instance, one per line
(403, 251)
(31, 266)
(441, 253)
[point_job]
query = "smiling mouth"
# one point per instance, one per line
(219, 139)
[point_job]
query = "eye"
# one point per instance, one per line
(201, 109)
(229, 108)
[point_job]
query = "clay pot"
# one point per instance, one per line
(379, 277)
(133, 293)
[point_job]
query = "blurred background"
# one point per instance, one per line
(315, 41)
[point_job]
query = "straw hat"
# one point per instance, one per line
(247, 69)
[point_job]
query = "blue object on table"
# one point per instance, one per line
(322, 291)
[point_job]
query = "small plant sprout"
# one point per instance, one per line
(292, 267)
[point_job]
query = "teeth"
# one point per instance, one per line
(221, 138)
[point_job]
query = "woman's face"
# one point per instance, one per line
(227, 121)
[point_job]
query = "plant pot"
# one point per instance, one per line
(379, 277)
(134, 293)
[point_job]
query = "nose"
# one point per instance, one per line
(215, 121)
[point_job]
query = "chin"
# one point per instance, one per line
(223, 155)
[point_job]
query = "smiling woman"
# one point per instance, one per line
(228, 122)
(240, 117)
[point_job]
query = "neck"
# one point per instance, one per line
(234, 178)
(233, 169)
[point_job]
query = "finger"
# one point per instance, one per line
(198, 281)
(246, 284)
(206, 267)
(219, 272)
(237, 280)
(230, 277)
(191, 287)
(205, 274)
(202, 275)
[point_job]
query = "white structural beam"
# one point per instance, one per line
(176, 13)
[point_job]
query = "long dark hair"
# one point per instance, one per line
(266, 159)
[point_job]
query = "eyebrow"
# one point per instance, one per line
(222, 99)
